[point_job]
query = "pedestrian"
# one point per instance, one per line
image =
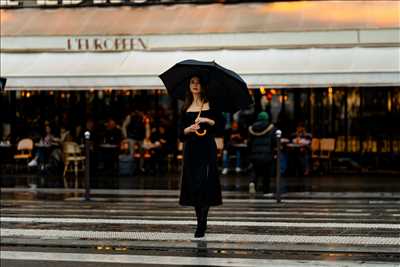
(261, 146)
(200, 185)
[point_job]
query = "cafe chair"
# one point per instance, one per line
(327, 147)
(24, 150)
(72, 160)
(315, 153)
(315, 148)
(340, 146)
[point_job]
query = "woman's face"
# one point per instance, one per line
(195, 86)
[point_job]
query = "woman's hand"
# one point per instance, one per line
(192, 128)
(204, 120)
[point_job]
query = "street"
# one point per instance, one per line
(148, 228)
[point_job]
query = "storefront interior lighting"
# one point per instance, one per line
(330, 95)
(283, 98)
(127, 92)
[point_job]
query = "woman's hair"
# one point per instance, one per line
(189, 95)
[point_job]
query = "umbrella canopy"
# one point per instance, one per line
(226, 89)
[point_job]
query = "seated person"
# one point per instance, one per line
(65, 135)
(302, 158)
(301, 137)
(155, 147)
(6, 133)
(112, 134)
(47, 139)
(234, 138)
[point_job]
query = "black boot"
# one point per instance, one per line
(201, 214)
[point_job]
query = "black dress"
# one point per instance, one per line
(200, 185)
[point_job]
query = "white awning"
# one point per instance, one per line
(280, 68)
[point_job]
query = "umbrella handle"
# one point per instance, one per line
(198, 133)
(201, 134)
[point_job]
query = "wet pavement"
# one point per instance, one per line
(368, 182)
(139, 227)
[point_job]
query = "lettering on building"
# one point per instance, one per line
(105, 44)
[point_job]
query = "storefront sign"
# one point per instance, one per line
(73, 3)
(105, 44)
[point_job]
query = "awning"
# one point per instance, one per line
(280, 68)
(290, 16)
(292, 24)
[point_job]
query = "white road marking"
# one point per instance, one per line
(154, 198)
(193, 222)
(163, 236)
(174, 260)
(214, 211)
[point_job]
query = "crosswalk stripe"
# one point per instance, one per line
(247, 200)
(294, 212)
(149, 205)
(174, 260)
(193, 222)
(166, 216)
(259, 224)
(163, 236)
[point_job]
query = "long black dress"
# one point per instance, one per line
(200, 185)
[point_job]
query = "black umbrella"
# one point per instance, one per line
(226, 90)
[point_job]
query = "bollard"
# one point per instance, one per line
(87, 169)
(278, 134)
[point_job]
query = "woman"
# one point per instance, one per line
(200, 186)
(48, 139)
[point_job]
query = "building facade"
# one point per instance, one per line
(333, 65)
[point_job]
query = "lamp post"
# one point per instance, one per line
(87, 169)
(278, 134)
